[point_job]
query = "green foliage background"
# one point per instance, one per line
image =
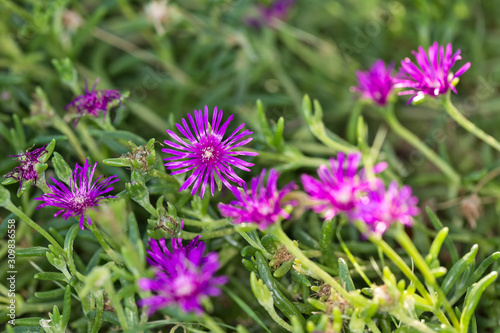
(208, 56)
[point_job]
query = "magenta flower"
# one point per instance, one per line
(206, 152)
(94, 101)
(81, 195)
(376, 84)
(267, 14)
(432, 76)
(26, 170)
(183, 276)
(262, 204)
(380, 207)
(340, 187)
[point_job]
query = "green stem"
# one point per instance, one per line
(99, 309)
(250, 241)
(353, 299)
(211, 324)
(109, 251)
(372, 326)
(412, 251)
(415, 141)
(468, 125)
(13, 209)
(64, 128)
(208, 234)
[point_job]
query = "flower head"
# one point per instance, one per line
(380, 207)
(183, 276)
(376, 84)
(262, 204)
(81, 195)
(340, 187)
(94, 101)
(432, 76)
(206, 152)
(267, 14)
(26, 170)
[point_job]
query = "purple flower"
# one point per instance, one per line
(380, 207)
(277, 10)
(340, 187)
(81, 195)
(183, 276)
(94, 101)
(262, 204)
(433, 76)
(376, 84)
(26, 170)
(206, 152)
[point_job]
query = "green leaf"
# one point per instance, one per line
(438, 226)
(264, 125)
(265, 298)
(51, 276)
(62, 169)
(345, 276)
(278, 134)
(50, 294)
(472, 299)
(245, 308)
(458, 268)
(282, 303)
(35, 251)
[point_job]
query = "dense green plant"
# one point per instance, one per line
(303, 274)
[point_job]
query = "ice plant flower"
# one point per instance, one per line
(376, 84)
(340, 187)
(262, 204)
(267, 14)
(206, 152)
(183, 276)
(94, 102)
(83, 193)
(381, 207)
(432, 76)
(26, 170)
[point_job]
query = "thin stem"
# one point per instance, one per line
(415, 141)
(354, 299)
(64, 128)
(208, 234)
(410, 248)
(13, 209)
(109, 251)
(468, 125)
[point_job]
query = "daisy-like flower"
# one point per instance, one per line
(433, 74)
(183, 276)
(262, 204)
(206, 152)
(83, 193)
(94, 101)
(380, 207)
(340, 187)
(26, 170)
(376, 84)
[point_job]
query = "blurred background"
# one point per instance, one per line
(176, 56)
